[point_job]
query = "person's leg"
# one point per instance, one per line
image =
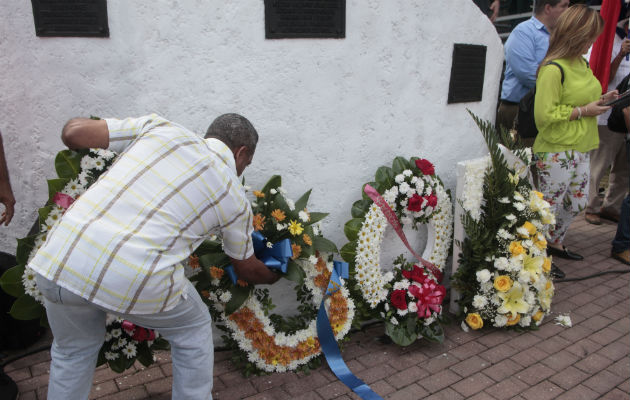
(575, 166)
(621, 242)
(553, 184)
(78, 329)
(600, 161)
(618, 179)
(188, 328)
(506, 114)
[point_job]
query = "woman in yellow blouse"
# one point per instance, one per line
(565, 114)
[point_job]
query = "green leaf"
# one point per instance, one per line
(323, 244)
(352, 227)
(349, 251)
(400, 333)
(56, 185)
(300, 204)
(118, 365)
(272, 183)
(295, 273)
(43, 213)
(385, 177)
(145, 357)
(24, 248)
(316, 216)
(433, 332)
(214, 260)
(208, 246)
(26, 308)
(365, 196)
(399, 165)
(360, 208)
(239, 295)
(11, 281)
(68, 164)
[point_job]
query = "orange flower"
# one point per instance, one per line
(321, 264)
(307, 239)
(241, 283)
(259, 194)
(514, 320)
(193, 261)
(297, 249)
(278, 214)
(259, 222)
(216, 273)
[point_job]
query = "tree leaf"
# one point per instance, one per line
(360, 208)
(352, 227)
(295, 273)
(272, 183)
(365, 196)
(214, 260)
(26, 308)
(316, 217)
(399, 165)
(43, 213)
(433, 332)
(300, 204)
(239, 295)
(323, 244)
(24, 248)
(56, 185)
(68, 164)
(349, 251)
(11, 281)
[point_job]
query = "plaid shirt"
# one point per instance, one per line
(121, 244)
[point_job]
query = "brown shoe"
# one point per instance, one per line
(624, 256)
(592, 218)
(609, 215)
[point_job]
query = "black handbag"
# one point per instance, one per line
(616, 121)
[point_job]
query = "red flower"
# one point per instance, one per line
(415, 202)
(430, 296)
(431, 200)
(425, 166)
(416, 274)
(399, 299)
(62, 200)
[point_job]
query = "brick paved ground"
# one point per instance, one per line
(588, 361)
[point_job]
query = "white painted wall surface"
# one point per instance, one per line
(329, 111)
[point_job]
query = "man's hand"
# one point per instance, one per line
(253, 271)
(6, 198)
(625, 47)
(85, 133)
(494, 7)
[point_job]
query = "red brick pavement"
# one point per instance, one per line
(588, 361)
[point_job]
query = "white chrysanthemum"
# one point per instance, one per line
(407, 172)
(400, 178)
(87, 163)
(525, 321)
(510, 217)
(225, 297)
(273, 191)
(111, 356)
(500, 320)
(303, 215)
(479, 302)
(129, 350)
(483, 276)
(290, 204)
(116, 332)
(393, 321)
(402, 313)
(99, 163)
(412, 307)
(401, 285)
(404, 188)
(564, 320)
(280, 227)
(122, 342)
(504, 200)
(108, 336)
(390, 197)
(519, 206)
(518, 197)
(501, 263)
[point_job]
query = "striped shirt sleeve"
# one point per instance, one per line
(123, 132)
(237, 230)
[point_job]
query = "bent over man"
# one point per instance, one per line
(119, 247)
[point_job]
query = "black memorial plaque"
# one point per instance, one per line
(467, 73)
(305, 19)
(71, 18)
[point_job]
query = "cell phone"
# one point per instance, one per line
(622, 101)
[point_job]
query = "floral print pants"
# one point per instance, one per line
(563, 181)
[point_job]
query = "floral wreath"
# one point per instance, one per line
(124, 342)
(504, 272)
(408, 298)
(266, 342)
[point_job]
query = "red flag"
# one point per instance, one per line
(602, 49)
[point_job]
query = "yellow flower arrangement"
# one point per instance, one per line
(295, 228)
(503, 283)
(516, 248)
(474, 320)
(513, 301)
(530, 228)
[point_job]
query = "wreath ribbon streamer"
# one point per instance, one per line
(275, 258)
(393, 221)
(328, 344)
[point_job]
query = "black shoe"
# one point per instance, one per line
(564, 253)
(556, 272)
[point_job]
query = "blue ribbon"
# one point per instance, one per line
(328, 342)
(275, 257)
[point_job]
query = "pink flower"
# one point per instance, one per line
(62, 200)
(425, 166)
(430, 296)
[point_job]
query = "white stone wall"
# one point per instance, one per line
(329, 111)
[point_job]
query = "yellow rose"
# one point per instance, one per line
(503, 283)
(516, 248)
(538, 316)
(514, 320)
(541, 244)
(540, 195)
(531, 229)
(474, 320)
(547, 265)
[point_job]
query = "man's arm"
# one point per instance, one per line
(6, 194)
(520, 54)
(253, 270)
(85, 133)
(614, 64)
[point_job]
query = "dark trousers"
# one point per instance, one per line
(621, 242)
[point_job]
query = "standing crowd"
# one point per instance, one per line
(574, 148)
